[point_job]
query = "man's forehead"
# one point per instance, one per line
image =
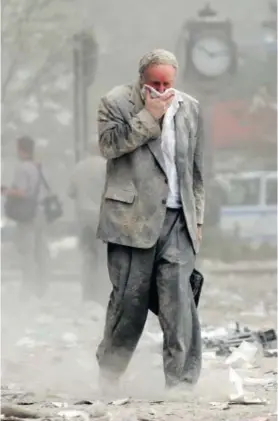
(161, 72)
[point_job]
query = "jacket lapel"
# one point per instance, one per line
(154, 144)
(183, 132)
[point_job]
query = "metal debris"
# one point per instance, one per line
(244, 400)
(222, 340)
(83, 402)
(120, 402)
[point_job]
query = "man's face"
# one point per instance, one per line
(160, 77)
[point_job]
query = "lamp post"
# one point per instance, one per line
(85, 53)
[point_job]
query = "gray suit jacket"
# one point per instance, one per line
(133, 204)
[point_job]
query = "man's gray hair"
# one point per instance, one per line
(156, 57)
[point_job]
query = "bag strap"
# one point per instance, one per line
(43, 179)
(36, 192)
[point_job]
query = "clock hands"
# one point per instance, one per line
(201, 48)
(213, 54)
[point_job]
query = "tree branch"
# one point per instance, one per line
(23, 19)
(50, 60)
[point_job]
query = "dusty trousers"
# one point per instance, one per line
(132, 272)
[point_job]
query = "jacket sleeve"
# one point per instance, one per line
(117, 136)
(198, 172)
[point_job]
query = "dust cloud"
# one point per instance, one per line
(51, 329)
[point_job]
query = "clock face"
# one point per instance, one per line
(211, 56)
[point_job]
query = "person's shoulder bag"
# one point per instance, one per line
(22, 209)
(51, 204)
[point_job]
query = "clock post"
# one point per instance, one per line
(208, 56)
(209, 52)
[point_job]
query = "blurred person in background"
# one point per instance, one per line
(151, 217)
(23, 206)
(85, 188)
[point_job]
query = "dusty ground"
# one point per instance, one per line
(48, 352)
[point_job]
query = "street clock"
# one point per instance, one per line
(210, 59)
(211, 56)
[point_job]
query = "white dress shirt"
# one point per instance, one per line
(168, 146)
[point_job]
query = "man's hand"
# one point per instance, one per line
(157, 107)
(199, 233)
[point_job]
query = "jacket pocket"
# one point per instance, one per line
(118, 195)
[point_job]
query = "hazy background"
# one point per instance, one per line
(241, 119)
(49, 345)
(38, 98)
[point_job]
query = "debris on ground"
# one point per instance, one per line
(224, 340)
(49, 366)
(245, 353)
(14, 411)
(271, 353)
(244, 400)
(120, 402)
(71, 414)
(222, 406)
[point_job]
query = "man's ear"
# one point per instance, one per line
(142, 80)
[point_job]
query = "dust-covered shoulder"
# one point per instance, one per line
(191, 102)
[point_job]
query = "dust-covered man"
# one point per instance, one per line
(151, 217)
